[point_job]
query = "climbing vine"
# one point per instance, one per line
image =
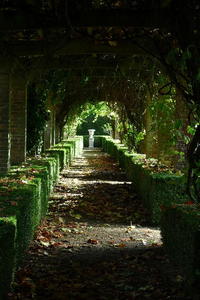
(171, 47)
(37, 115)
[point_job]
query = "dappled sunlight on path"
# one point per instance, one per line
(96, 242)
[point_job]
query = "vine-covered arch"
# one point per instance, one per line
(123, 51)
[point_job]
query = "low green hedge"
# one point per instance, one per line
(23, 200)
(164, 189)
(49, 163)
(180, 228)
(68, 152)
(97, 141)
(86, 141)
(7, 253)
(111, 147)
(24, 196)
(31, 170)
(70, 148)
(60, 154)
(155, 189)
(77, 143)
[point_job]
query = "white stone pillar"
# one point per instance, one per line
(18, 119)
(91, 138)
(4, 119)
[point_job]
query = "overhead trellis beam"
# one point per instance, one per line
(71, 63)
(149, 18)
(21, 20)
(89, 46)
(77, 75)
(75, 47)
(87, 66)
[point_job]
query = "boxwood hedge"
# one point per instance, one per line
(180, 228)
(7, 253)
(24, 196)
(154, 188)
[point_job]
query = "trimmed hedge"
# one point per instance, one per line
(180, 228)
(77, 143)
(32, 170)
(69, 148)
(24, 196)
(60, 154)
(155, 189)
(7, 253)
(22, 200)
(97, 141)
(48, 164)
(164, 195)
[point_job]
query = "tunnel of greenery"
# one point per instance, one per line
(129, 69)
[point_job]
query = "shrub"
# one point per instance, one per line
(98, 139)
(24, 202)
(154, 188)
(70, 147)
(32, 170)
(180, 228)
(52, 165)
(164, 189)
(121, 155)
(7, 253)
(68, 152)
(59, 153)
(22, 199)
(77, 143)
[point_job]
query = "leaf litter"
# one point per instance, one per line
(96, 242)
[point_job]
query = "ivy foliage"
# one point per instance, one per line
(37, 116)
(167, 127)
(96, 115)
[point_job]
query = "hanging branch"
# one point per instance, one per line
(161, 92)
(193, 156)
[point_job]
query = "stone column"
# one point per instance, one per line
(150, 144)
(181, 114)
(53, 129)
(58, 133)
(18, 119)
(4, 119)
(47, 133)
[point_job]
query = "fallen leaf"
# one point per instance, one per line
(112, 43)
(122, 245)
(61, 220)
(77, 216)
(144, 242)
(46, 244)
(66, 229)
(94, 242)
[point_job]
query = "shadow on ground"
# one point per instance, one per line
(96, 242)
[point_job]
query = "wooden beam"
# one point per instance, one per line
(75, 47)
(20, 20)
(89, 46)
(88, 66)
(66, 62)
(148, 18)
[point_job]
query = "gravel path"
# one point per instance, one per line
(96, 242)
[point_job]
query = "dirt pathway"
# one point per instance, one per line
(96, 242)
